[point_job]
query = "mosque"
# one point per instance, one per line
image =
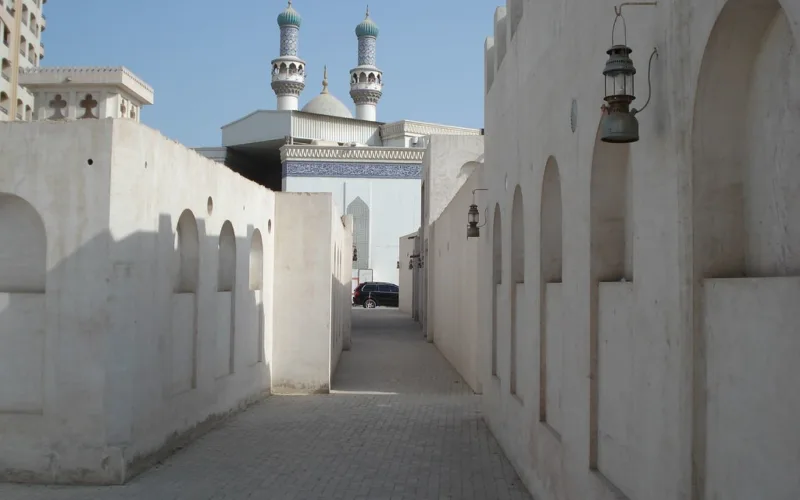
(372, 169)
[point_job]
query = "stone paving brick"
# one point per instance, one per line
(400, 424)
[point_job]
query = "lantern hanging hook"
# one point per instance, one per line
(485, 217)
(618, 15)
(635, 111)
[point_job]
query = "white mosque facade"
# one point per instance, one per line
(373, 169)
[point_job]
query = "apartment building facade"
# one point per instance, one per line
(22, 23)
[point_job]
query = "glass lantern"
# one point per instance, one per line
(473, 217)
(619, 125)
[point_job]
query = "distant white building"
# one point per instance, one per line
(373, 169)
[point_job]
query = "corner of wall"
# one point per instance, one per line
(489, 55)
(500, 36)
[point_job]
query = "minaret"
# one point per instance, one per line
(366, 80)
(288, 70)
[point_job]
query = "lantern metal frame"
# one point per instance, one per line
(355, 254)
(474, 217)
(619, 124)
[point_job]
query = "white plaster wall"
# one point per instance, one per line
(394, 211)
(311, 319)
(658, 395)
(448, 162)
(53, 398)
(406, 278)
(212, 351)
(453, 292)
(105, 366)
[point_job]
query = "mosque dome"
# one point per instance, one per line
(367, 27)
(326, 104)
(289, 17)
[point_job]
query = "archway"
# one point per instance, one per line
(745, 185)
(550, 297)
(23, 252)
(518, 297)
(226, 271)
(187, 248)
(497, 279)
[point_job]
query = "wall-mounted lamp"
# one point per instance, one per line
(411, 260)
(619, 124)
(474, 218)
(355, 253)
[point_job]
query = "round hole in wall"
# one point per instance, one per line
(269, 226)
(210, 205)
(90, 161)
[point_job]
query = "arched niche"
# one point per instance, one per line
(359, 209)
(226, 271)
(517, 238)
(187, 249)
(497, 278)
(550, 238)
(744, 146)
(256, 261)
(551, 262)
(497, 246)
(612, 223)
(745, 208)
(517, 280)
(23, 247)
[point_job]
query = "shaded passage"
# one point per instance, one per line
(400, 424)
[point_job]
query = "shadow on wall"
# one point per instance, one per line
(124, 349)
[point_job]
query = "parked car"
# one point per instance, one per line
(372, 294)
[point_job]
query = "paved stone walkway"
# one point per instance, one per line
(400, 425)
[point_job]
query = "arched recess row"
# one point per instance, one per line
(23, 252)
(550, 298)
(745, 212)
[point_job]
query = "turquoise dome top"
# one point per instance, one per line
(367, 27)
(289, 17)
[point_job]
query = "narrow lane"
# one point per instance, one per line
(400, 424)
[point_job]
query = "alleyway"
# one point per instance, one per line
(400, 424)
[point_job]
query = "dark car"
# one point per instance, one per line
(371, 294)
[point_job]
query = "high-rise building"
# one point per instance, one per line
(22, 24)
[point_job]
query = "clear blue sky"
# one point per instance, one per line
(208, 60)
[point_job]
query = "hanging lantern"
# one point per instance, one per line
(355, 253)
(411, 263)
(473, 217)
(619, 124)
